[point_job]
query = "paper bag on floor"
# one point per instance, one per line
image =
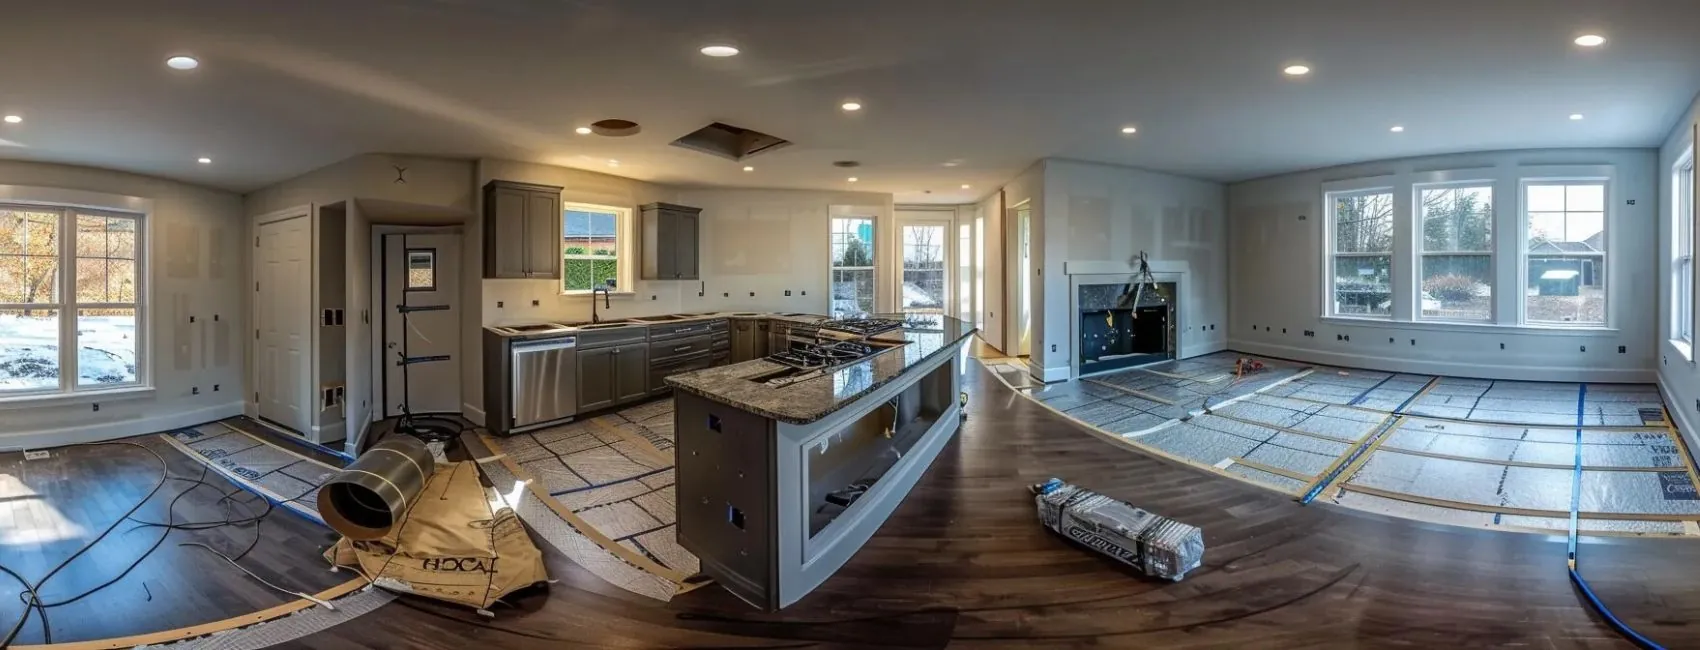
(451, 545)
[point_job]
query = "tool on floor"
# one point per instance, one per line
(1156, 545)
(1245, 366)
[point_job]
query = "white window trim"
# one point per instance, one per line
(1445, 180)
(1373, 185)
(873, 250)
(1683, 217)
(1566, 176)
(68, 202)
(625, 274)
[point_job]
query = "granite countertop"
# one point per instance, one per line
(690, 318)
(810, 400)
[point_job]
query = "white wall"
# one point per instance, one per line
(1278, 260)
(992, 303)
(1029, 188)
(195, 268)
(1679, 377)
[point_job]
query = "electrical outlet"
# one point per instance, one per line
(498, 304)
(96, 407)
(1584, 348)
(1348, 338)
(805, 293)
(191, 319)
(752, 294)
(215, 318)
(1502, 346)
(1622, 349)
(339, 317)
(652, 296)
(725, 294)
(194, 390)
(1053, 347)
(787, 292)
(1389, 339)
(1283, 330)
(215, 388)
(535, 303)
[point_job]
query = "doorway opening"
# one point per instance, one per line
(1023, 279)
(419, 325)
(924, 284)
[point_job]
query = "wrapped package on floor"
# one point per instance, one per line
(1156, 545)
(452, 545)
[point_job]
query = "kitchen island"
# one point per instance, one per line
(785, 470)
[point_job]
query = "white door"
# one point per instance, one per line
(924, 284)
(284, 314)
(421, 319)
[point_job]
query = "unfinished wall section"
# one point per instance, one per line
(1277, 245)
(192, 315)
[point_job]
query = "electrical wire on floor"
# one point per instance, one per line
(1593, 601)
(30, 595)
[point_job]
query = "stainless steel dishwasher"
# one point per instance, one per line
(544, 380)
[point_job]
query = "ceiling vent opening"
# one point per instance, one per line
(846, 164)
(730, 142)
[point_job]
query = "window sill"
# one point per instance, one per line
(1683, 348)
(47, 400)
(1485, 328)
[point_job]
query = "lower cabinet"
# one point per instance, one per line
(612, 375)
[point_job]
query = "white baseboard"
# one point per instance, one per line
(1048, 375)
(1679, 416)
(1449, 368)
(1190, 351)
(472, 413)
(102, 431)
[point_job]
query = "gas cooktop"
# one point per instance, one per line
(862, 326)
(826, 355)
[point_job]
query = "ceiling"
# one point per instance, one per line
(989, 85)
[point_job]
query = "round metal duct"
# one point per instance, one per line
(366, 499)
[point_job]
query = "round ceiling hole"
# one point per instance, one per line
(846, 164)
(615, 128)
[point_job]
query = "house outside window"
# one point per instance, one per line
(594, 244)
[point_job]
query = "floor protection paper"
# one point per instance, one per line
(615, 473)
(280, 474)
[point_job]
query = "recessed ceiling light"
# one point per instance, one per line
(852, 179)
(966, 186)
(1575, 116)
(583, 130)
(1397, 129)
(1128, 130)
(182, 63)
(720, 50)
(1590, 40)
(952, 163)
(13, 119)
(749, 168)
(851, 106)
(204, 160)
(1297, 70)
(613, 163)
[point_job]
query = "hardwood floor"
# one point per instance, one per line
(964, 562)
(50, 508)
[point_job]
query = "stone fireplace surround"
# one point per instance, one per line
(1086, 273)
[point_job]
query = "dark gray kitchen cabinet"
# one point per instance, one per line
(749, 340)
(631, 373)
(595, 379)
(670, 235)
(522, 230)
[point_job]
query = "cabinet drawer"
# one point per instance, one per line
(662, 351)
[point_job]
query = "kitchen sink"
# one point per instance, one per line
(603, 326)
(666, 318)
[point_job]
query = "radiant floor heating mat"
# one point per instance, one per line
(281, 475)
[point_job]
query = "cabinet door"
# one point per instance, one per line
(685, 245)
(543, 235)
(504, 233)
(761, 340)
(631, 372)
(742, 350)
(666, 264)
(595, 379)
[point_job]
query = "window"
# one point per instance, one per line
(852, 266)
(1565, 258)
(1682, 265)
(62, 331)
(421, 269)
(1361, 257)
(1457, 252)
(593, 242)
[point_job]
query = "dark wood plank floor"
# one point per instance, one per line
(50, 508)
(963, 562)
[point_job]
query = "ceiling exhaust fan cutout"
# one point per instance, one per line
(734, 143)
(846, 164)
(615, 128)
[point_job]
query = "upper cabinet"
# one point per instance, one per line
(522, 230)
(670, 235)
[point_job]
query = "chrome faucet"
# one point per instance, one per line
(604, 290)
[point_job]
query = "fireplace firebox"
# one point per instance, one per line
(1119, 329)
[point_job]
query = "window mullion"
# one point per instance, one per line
(67, 301)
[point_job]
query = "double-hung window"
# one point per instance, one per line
(852, 272)
(1565, 252)
(1682, 264)
(1361, 253)
(1455, 225)
(593, 244)
(70, 307)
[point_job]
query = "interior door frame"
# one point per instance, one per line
(379, 325)
(1014, 277)
(944, 216)
(255, 262)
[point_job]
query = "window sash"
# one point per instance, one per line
(69, 308)
(1525, 255)
(623, 241)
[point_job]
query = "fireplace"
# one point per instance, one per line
(1121, 328)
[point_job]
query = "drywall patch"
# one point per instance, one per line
(182, 247)
(221, 343)
(218, 256)
(183, 356)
